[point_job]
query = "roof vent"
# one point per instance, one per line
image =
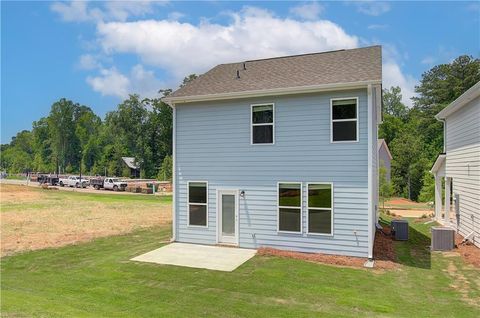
(238, 74)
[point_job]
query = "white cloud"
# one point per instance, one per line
(76, 11)
(308, 11)
(121, 10)
(428, 60)
(377, 26)
(373, 8)
(111, 82)
(175, 15)
(118, 10)
(88, 62)
(180, 48)
(393, 76)
(183, 48)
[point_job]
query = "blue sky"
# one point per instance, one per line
(96, 53)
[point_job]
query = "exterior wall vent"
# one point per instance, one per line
(443, 238)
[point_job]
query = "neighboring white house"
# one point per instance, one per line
(280, 152)
(384, 158)
(459, 165)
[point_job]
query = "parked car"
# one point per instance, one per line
(73, 181)
(114, 184)
(47, 179)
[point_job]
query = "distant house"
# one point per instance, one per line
(459, 165)
(384, 157)
(280, 152)
(131, 164)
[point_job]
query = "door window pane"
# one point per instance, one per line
(228, 214)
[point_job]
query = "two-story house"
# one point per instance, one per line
(280, 152)
(459, 166)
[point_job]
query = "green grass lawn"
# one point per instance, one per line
(97, 279)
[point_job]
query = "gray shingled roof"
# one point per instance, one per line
(130, 162)
(343, 66)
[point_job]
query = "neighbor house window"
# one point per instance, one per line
(197, 203)
(319, 208)
(290, 207)
(344, 114)
(262, 124)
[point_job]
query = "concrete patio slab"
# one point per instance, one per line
(198, 256)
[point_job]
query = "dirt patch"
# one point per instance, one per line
(462, 285)
(469, 252)
(410, 213)
(384, 254)
(33, 219)
(18, 194)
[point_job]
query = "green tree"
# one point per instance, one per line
(166, 170)
(392, 103)
(427, 194)
(385, 186)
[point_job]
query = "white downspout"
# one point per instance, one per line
(174, 176)
(370, 172)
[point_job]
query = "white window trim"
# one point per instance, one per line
(344, 120)
(290, 207)
(263, 124)
(188, 205)
(331, 210)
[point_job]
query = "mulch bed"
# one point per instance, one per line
(383, 252)
(469, 252)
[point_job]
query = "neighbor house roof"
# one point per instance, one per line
(381, 142)
(130, 162)
(461, 101)
(285, 74)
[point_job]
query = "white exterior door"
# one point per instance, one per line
(227, 216)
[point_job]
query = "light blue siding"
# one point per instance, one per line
(213, 144)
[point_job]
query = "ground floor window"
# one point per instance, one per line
(290, 207)
(319, 208)
(198, 203)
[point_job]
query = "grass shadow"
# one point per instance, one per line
(415, 252)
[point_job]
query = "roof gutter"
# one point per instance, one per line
(270, 92)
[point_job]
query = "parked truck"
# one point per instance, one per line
(114, 184)
(73, 181)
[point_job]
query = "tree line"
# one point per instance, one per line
(413, 135)
(72, 135)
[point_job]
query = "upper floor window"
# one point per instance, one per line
(344, 126)
(262, 124)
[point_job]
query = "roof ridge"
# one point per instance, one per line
(303, 54)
